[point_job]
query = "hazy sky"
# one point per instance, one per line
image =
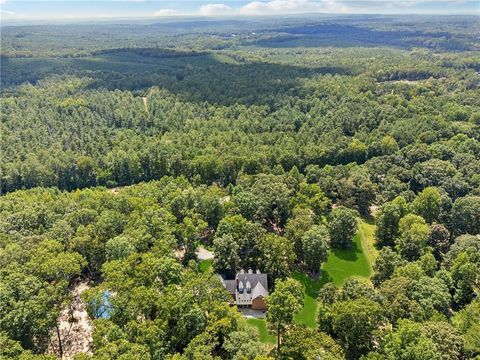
(87, 9)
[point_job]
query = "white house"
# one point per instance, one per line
(248, 289)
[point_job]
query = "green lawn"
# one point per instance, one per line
(354, 262)
(341, 265)
(264, 335)
(368, 242)
(308, 314)
(205, 265)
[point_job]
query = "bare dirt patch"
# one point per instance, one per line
(374, 210)
(179, 253)
(73, 334)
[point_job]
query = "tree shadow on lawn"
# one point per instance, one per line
(349, 254)
(312, 285)
(308, 315)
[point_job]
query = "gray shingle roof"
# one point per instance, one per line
(230, 285)
(258, 284)
(254, 279)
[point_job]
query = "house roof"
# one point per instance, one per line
(230, 285)
(258, 284)
(254, 279)
(258, 291)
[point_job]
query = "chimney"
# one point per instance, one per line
(250, 271)
(258, 271)
(242, 271)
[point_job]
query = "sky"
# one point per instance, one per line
(87, 9)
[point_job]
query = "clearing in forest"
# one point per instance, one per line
(355, 262)
(341, 265)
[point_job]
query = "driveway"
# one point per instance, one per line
(249, 313)
(204, 254)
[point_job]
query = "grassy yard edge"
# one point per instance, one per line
(308, 315)
(367, 231)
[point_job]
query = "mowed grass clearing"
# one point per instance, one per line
(355, 262)
(263, 334)
(206, 265)
(340, 266)
(308, 315)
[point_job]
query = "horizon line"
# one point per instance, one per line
(68, 19)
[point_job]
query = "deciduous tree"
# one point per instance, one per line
(285, 301)
(315, 246)
(342, 226)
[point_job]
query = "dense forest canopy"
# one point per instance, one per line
(456, 33)
(300, 147)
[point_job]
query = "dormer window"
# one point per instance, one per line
(240, 287)
(249, 287)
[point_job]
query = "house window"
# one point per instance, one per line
(249, 287)
(240, 287)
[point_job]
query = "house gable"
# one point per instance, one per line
(248, 289)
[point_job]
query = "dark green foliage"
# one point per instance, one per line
(439, 239)
(407, 342)
(34, 288)
(303, 343)
(385, 265)
(414, 233)
(432, 294)
(465, 276)
(430, 340)
(467, 322)
(428, 204)
(388, 220)
(342, 226)
(243, 345)
(246, 235)
(299, 223)
(276, 255)
(241, 144)
(283, 304)
(315, 246)
(466, 215)
(280, 109)
(353, 322)
(226, 259)
(469, 244)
